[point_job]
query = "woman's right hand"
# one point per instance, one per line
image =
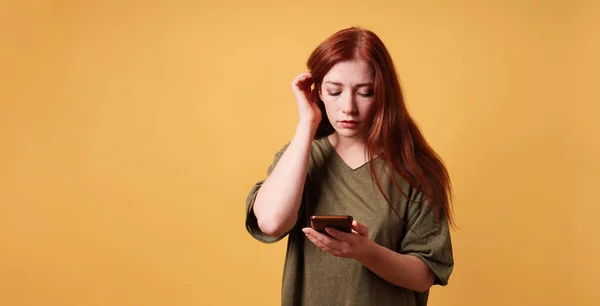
(308, 109)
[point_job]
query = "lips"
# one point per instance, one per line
(348, 123)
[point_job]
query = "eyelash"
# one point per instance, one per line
(361, 94)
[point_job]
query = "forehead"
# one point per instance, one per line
(350, 72)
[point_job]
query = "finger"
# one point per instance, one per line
(315, 242)
(339, 235)
(301, 78)
(305, 75)
(360, 228)
(305, 81)
(322, 246)
(323, 239)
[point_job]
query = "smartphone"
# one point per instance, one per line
(339, 222)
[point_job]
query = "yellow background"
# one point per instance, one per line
(131, 132)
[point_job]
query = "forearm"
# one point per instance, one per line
(401, 270)
(278, 200)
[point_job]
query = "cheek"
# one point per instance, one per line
(330, 105)
(367, 108)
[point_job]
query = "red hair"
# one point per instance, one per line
(392, 133)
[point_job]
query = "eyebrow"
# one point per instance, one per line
(357, 85)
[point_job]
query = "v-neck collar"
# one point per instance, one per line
(339, 157)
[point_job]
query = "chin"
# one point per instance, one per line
(348, 133)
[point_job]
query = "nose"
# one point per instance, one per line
(348, 104)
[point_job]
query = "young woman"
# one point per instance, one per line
(356, 151)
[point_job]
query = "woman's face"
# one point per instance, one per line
(347, 92)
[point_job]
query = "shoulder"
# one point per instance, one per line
(321, 149)
(320, 154)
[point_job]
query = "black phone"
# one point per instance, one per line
(339, 222)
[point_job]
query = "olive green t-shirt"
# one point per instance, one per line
(313, 277)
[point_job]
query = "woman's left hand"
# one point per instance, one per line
(349, 245)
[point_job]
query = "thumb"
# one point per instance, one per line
(360, 228)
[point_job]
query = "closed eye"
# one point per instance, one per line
(337, 93)
(366, 94)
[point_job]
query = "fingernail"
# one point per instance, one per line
(305, 230)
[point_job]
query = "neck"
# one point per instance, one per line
(351, 151)
(347, 144)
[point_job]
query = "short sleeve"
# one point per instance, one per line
(251, 220)
(429, 240)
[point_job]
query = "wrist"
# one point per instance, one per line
(368, 254)
(309, 127)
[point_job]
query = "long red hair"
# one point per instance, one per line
(393, 134)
